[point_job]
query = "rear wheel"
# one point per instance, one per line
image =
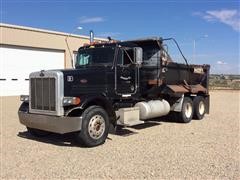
(37, 132)
(199, 107)
(95, 127)
(185, 116)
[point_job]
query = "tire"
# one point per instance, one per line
(37, 132)
(199, 106)
(95, 127)
(186, 114)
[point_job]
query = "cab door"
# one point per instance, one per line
(125, 73)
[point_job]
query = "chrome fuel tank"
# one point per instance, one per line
(153, 109)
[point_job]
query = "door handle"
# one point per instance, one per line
(164, 69)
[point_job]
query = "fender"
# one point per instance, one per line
(99, 100)
(177, 106)
(85, 100)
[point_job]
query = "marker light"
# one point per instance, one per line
(24, 98)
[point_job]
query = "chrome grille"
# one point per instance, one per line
(46, 93)
(43, 93)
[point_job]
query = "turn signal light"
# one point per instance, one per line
(67, 101)
(76, 101)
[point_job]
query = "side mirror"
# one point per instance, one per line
(138, 55)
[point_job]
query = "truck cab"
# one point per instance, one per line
(114, 83)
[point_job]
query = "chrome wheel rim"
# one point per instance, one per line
(188, 110)
(201, 108)
(96, 127)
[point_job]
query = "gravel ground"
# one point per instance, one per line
(201, 149)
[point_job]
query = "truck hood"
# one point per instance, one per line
(91, 80)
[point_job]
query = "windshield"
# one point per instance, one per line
(95, 56)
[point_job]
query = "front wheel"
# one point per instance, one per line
(95, 127)
(185, 116)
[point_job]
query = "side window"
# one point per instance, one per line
(128, 56)
(151, 56)
(125, 57)
(83, 59)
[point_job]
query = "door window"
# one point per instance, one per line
(125, 57)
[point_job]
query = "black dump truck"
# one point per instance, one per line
(119, 83)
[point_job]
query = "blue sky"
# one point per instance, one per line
(214, 25)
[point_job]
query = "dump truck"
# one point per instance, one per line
(115, 83)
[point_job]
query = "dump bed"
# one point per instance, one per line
(188, 76)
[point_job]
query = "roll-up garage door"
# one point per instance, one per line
(16, 63)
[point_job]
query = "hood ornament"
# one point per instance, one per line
(41, 73)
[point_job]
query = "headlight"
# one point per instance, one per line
(67, 101)
(24, 98)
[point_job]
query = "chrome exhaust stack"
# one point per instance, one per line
(91, 36)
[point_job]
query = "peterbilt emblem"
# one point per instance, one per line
(83, 81)
(70, 78)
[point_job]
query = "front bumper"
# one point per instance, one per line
(54, 124)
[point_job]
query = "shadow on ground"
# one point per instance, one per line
(127, 131)
(53, 138)
(69, 138)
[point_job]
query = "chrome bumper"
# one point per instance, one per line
(54, 124)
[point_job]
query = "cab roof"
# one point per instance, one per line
(129, 43)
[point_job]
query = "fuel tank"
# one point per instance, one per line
(153, 109)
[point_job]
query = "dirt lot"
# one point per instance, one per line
(201, 149)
